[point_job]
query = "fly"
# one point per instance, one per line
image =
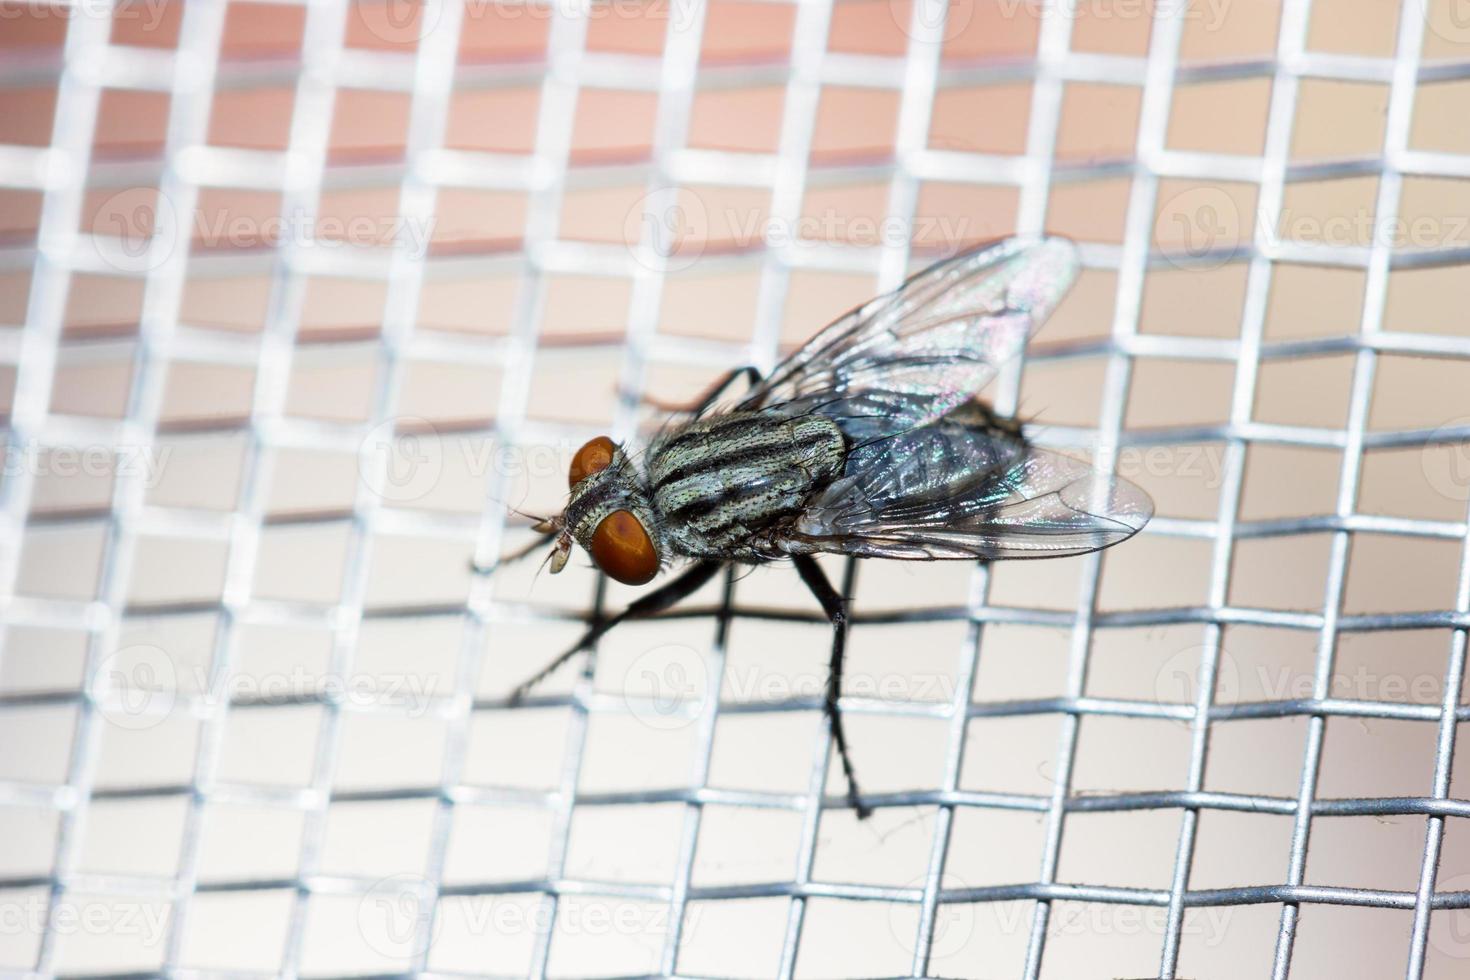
(869, 441)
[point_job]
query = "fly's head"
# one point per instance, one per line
(609, 514)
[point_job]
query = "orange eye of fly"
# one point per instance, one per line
(596, 455)
(622, 549)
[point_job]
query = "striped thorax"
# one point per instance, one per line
(717, 479)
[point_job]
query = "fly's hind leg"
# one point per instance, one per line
(656, 601)
(702, 404)
(835, 606)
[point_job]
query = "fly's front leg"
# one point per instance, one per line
(703, 403)
(834, 605)
(656, 601)
(542, 537)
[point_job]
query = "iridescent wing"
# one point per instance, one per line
(962, 488)
(911, 356)
(930, 472)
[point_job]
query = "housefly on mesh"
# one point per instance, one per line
(869, 441)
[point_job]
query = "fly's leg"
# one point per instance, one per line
(834, 606)
(540, 541)
(752, 378)
(703, 403)
(656, 601)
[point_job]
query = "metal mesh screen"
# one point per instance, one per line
(59, 261)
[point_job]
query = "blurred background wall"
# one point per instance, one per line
(295, 298)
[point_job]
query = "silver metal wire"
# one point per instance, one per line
(64, 173)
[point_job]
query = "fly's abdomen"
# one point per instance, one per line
(718, 480)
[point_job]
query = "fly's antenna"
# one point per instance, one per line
(546, 528)
(533, 518)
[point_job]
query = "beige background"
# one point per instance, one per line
(706, 315)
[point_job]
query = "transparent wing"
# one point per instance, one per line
(952, 490)
(909, 357)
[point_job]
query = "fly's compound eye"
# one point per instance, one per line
(594, 456)
(622, 549)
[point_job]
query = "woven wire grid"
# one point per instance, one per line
(190, 74)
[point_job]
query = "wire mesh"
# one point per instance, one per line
(191, 73)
